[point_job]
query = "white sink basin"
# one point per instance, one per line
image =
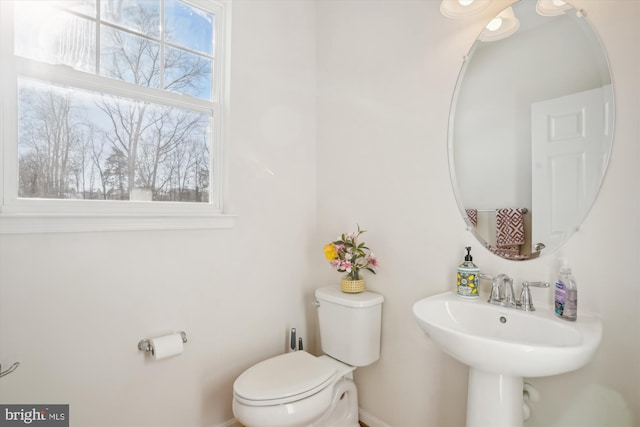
(503, 345)
(506, 341)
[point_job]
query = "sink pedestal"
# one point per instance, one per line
(494, 400)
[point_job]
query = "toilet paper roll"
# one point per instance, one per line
(167, 346)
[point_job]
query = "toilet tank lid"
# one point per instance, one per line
(360, 300)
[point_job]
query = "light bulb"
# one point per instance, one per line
(494, 24)
(552, 7)
(461, 8)
(500, 27)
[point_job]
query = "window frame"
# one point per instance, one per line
(33, 215)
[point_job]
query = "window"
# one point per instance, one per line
(113, 114)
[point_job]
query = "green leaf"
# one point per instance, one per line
(371, 270)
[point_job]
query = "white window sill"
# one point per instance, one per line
(28, 223)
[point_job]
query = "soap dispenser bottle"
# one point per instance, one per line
(468, 280)
(566, 294)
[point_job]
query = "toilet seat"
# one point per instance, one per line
(283, 379)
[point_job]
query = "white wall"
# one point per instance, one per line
(74, 306)
(386, 72)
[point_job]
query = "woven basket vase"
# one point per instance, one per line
(351, 286)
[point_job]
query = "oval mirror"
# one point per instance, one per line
(530, 128)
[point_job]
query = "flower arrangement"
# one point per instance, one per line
(348, 255)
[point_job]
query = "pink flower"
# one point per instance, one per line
(371, 259)
(346, 266)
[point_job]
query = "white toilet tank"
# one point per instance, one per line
(350, 325)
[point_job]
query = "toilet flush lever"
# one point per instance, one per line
(293, 341)
(316, 303)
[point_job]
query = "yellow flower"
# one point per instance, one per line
(330, 251)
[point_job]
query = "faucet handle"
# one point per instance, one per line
(526, 303)
(536, 284)
(494, 296)
(496, 285)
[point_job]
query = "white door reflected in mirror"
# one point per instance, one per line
(567, 160)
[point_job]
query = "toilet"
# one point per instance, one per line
(298, 389)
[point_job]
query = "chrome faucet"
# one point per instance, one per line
(506, 296)
(502, 292)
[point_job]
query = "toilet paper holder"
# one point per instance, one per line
(145, 344)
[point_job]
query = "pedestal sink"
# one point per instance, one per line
(501, 346)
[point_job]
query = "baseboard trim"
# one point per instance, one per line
(365, 417)
(370, 420)
(230, 423)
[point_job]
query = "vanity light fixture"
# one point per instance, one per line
(500, 27)
(552, 7)
(462, 8)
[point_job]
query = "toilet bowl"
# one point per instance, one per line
(295, 390)
(298, 389)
